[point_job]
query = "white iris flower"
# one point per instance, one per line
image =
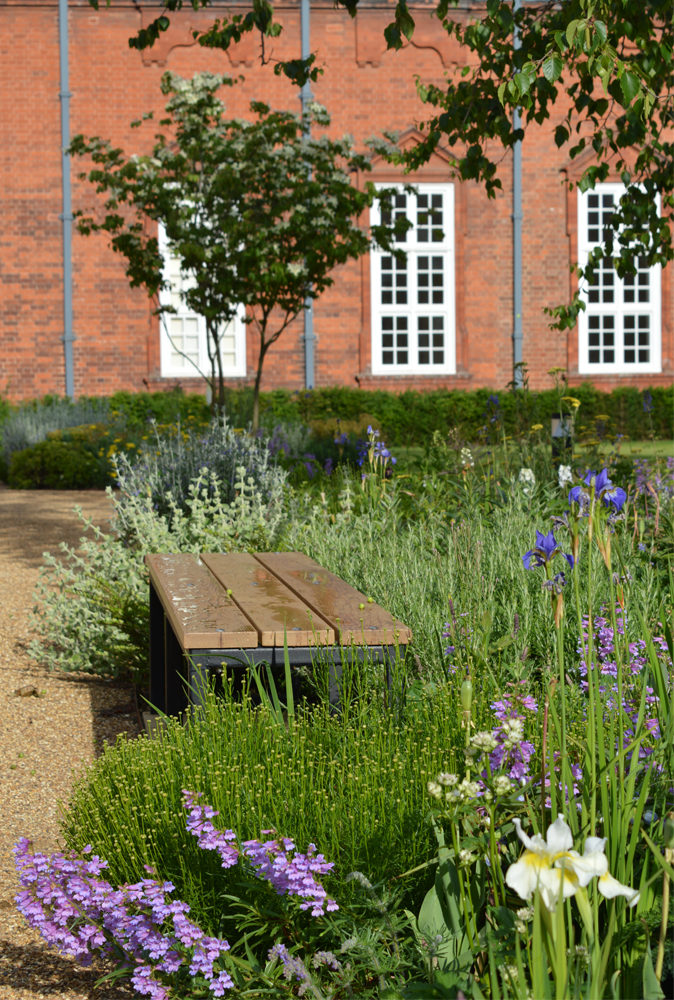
(557, 871)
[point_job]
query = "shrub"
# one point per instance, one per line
(5, 409)
(122, 414)
(58, 464)
(137, 408)
(32, 422)
(411, 417)
(354, 784)
(92, 610)
(165, 466)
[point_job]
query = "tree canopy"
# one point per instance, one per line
(610, 62)
(257, 211)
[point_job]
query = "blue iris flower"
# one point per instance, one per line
(545, 549)
(610, 495)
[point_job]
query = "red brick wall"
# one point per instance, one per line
(367, 90)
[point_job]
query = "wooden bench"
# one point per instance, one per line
(233, 609)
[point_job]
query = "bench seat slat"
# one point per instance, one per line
(346, 609)
(273, 609)
(199, 610)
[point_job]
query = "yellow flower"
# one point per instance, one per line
(537, 427)
(572, 401)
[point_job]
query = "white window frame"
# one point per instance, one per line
(186, 368)
(594, 319)
(411, 311)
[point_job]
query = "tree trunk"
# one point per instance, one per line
(256, 388)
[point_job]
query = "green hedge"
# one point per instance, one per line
(411, 417)
(58, 464)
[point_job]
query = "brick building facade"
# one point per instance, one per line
(447, 321)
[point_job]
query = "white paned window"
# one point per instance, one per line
(183, 343)
(413, 299)
(619, 330)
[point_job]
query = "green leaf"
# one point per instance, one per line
(571, 31)
(630, 86)
(404, 20)
(601, 30)
(651, 989)
(525, 78)
(552, 67)
(561, 135)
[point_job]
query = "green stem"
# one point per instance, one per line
(466, 901)
(669, 856)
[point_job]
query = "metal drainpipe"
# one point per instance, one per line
(306, 96)
(518, 379)
(66, 214)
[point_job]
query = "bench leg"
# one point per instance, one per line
(157, 653)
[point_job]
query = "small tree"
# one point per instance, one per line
(257, 212)
(607, 66)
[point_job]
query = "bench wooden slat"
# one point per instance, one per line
(346, 609)
(199, 610)
(273, 609)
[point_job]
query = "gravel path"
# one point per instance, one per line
(48, 732)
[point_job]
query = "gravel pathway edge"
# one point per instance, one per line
(51, 726)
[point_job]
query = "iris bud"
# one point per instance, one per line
(466, 695)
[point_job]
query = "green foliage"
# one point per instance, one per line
(608, 64)
(258, 212)
(173, 407)
(443, 551)
(63, 463)
(5, 410)
(170, 460)
(92, 423)
(354, 782)
(350, 783)
(31, 422)
(92, 609)
(412, 417)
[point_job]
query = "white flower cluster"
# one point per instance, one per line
(467, 460)
(483, 741)
(449, 788)
(527, 481)
(513, 730)
(502, 784)
(564, 476)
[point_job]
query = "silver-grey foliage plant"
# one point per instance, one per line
(92, 603)
(167, 465)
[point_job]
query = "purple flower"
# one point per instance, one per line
(610, 495)
(545, 549)
(80, 914)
